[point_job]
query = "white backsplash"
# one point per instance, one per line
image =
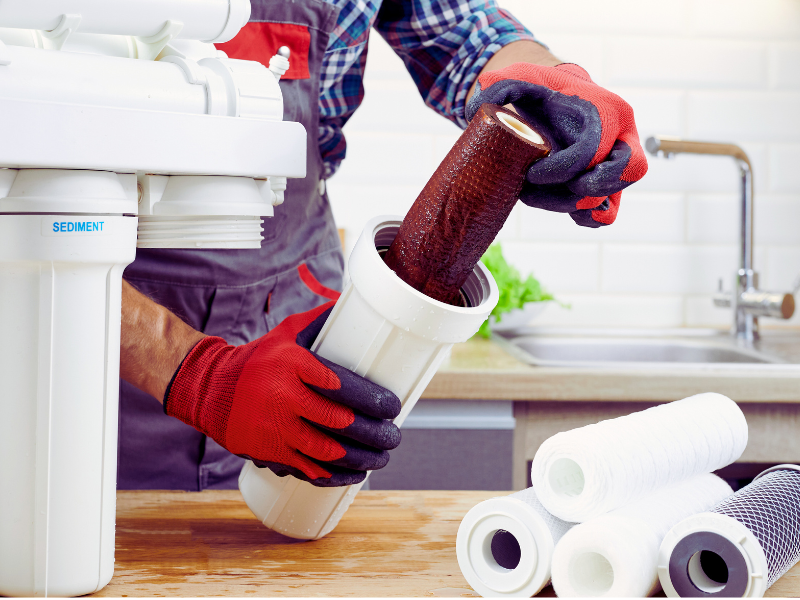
(717, 70)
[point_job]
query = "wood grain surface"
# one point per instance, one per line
(209, 544)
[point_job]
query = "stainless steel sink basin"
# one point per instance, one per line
(687, 348)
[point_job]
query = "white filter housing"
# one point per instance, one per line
(60, 299)
(382, 329)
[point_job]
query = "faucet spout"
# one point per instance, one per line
(748, 302)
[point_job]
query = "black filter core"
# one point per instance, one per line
(505, 549)
(713, 566)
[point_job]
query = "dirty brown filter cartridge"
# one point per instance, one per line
(465, 204)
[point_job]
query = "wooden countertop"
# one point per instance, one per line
(482, 370)
(387, 544)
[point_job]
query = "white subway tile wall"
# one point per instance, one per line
(716, 70)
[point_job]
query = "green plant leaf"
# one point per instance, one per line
(514, 291)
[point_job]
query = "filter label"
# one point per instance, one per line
(63, 226)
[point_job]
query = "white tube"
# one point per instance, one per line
(60, 303)
(205, 20)
(505, 545)
(591, 470)
(80, 111)
(393, 335)
(616, 554)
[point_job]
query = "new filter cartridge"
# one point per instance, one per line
(505, 545)
(739, 548)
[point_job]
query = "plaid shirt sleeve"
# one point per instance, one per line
(445, 44)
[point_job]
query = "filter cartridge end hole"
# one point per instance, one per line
(566, 478)
(708, 571)
(505, 549)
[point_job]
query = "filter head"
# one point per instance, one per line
(495, 531)
(712, 555)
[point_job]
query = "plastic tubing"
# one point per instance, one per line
(505, 545)
(204, 20)
(592, 470)
(740, 547)
(616, 554)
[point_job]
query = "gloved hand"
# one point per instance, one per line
(284, 407)
(595, 147)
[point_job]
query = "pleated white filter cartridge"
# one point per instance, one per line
(505, 545)
(740, 547)
(616, 554)
(589, 471)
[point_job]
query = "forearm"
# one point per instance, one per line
(522, 51)
(154, 342)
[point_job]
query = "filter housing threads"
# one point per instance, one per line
(592, 470)
(465, 204)
(742, 546)
(505, 545)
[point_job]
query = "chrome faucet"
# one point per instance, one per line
(747, 300)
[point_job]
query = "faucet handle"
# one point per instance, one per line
(722, 298)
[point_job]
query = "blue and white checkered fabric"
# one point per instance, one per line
(443, 43)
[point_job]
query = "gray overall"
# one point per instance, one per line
(237, 294)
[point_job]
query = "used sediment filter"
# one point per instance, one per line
(505, 545)
(592, 470)
(742, 546)
(616, 554)
(465, 204)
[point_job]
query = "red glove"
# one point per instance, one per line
(282, 406)
(596, 151)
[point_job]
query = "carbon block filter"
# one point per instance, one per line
(465, 204)
(739, 548)
(505, 545)
(592, 470)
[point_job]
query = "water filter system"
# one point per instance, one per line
(122, 126)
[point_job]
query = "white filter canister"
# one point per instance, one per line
(60, 302)
(382, 329)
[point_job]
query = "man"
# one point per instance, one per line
(248, 386)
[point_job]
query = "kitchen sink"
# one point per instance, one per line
(690, 348)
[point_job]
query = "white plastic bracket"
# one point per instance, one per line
(148, 48)
(5, 55)
(66, 27)
(216, 93)
(278, 186)
(151, 189)
(193, 72)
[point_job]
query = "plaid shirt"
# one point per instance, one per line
(443, 43)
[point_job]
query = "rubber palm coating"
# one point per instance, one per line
(595, 146)
(282, 406)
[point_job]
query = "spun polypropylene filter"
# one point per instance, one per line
(515, 528)
(585, 472)
(616, 554)
(755, 529)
